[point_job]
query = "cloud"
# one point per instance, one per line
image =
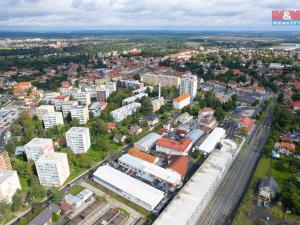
(136, 14)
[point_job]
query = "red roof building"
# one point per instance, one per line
(142, 155)
(180, 165)
(172, 147)
(246, 124)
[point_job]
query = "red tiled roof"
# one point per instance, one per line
(142, 155)
(295, 103)
(180, 145)
(288, 146)
(179, 164)
(181, 98)
(111, 125)
(61, 97)
(162, 131)
(247, 121)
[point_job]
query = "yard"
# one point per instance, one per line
(248, 212)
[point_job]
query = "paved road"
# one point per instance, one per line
(224, 203)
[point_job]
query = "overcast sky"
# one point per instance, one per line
(140, 14)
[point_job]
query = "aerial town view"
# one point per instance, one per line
(149, 112)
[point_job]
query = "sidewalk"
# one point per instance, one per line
(134, 215)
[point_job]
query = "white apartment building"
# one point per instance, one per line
(188, 85)
(81, 113)
(38, 147)
(181, 102)
(59, 101)
(134, 98)
(157, 103)
(78, 139)
(43, 110)
(67, 106)
(53, 169)
(104, 90)
(9, 184)
(164, 80)
(83, 97)
(53, 118)
(127, 110)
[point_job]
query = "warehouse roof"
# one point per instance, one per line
(193, 196)
(128, 184)
(212, 140)
(169, 176)
(148, 141)
(180, 145)
(194, 135)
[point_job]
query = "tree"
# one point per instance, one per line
(56, 196)
(5, 209)
(55, 217)
(219, 114)
(16, 202)
(296, 96)
(37, 191)
(147, 107)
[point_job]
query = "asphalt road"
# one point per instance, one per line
(223, 205)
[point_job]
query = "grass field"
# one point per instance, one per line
(76, 189)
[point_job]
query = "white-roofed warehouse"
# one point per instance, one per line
(189, 203)
(126, 186)
(147, 142)
(151, 169)
(212, 140)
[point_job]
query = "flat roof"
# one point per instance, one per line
(5, 174)
(147, 141)
(212, 140)
(194, 193)
(51, 158)
(77, 130)
(128, 184)
(152, 169)
(40, 142)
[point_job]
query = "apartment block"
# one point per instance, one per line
(53, 169)
(67, 106)
(81, 113)
(188, 85)
(53, 118)
(78, 139)
(9, 184)
(38, 147)
(4, 161)
(164, 80)
(82, 97)
(104, 91)
(44, 109)
(127, 110)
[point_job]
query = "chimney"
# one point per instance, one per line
(159, 91)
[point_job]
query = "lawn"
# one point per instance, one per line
(24, 183)
(74, 172)
(96, 156)
(280, 173)
(76, 189)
